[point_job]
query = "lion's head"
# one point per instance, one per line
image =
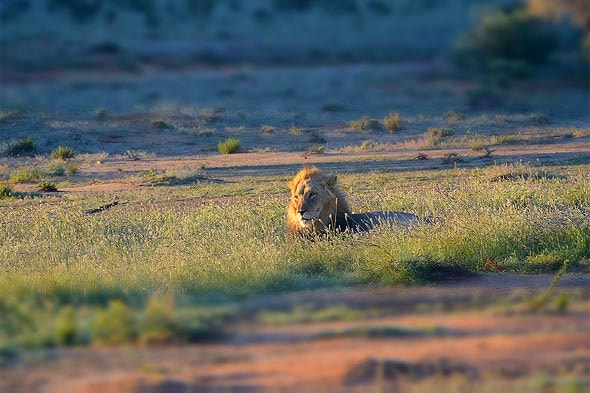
(316, 204)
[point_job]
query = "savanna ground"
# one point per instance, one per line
(158, 264)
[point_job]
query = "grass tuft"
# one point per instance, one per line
(229, 146)
(18, 147)
(392, 122)
(62, 153)
(46, 186)
(364, 124)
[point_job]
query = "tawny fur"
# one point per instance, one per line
(318, 206)
(317, 195)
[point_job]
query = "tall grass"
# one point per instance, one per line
(239, 247)
(131, 260)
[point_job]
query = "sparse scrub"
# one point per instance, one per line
(55, 169)
(392, 122)
(62, 153)
(24, 175)
(266, 129)
(159, 123)
(10, 115)
(317, 149)
(18, 147)
(5, 190)
(452, 117)
(294, 130)
(368, 145)
(506, 43)
(364, 124)
(436, 135)
(229, 146)
(46, 186)
(101, 113)
(539, 119)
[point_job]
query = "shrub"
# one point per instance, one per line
(160, 124)
(101, 113)
(266, 129)
(453, 116)
(364, 124)
(46, 186)
(62, 153)
(506, 42)
(66, 326)
(5, 190)
(317, 149)
(229, 146)
(392, 122)
(114, 326)
(24, 175)
(436, 134)
(18, 147)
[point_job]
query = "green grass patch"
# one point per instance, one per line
(229, 146)
(24, 175)
(62, 153)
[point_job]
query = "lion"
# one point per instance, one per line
(318, 206)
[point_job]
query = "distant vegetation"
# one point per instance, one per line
(229, 146)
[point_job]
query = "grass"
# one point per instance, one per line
(229, 146)
(234, 248)
(24, 175)
(17, 147)
(62, 153)
(5, 190)
(392, 122)
(46, 186)
(364, 124)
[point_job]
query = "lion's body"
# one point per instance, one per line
(317, 206)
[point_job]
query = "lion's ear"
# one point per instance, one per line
(331, 181)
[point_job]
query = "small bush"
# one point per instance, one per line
(435, 135)
(392, 122)
(364, 124)
(66, 326)
(5, 190)
(114, 326)
(160, 124)
(46, 186)
(266, 129)
(505, 42)
(101, 113)
(294, 130)
(18, 147)
(368, 145)
(62, 153)
(317, 149)
(9, 116)
(453, 116)
(229, 146)
(24, 175)
(55, 169)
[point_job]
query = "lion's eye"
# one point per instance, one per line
(312, 194)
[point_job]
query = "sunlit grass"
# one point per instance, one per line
(53, 254)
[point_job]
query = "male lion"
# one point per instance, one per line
(318, 206)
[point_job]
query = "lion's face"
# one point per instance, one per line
(311, 200)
